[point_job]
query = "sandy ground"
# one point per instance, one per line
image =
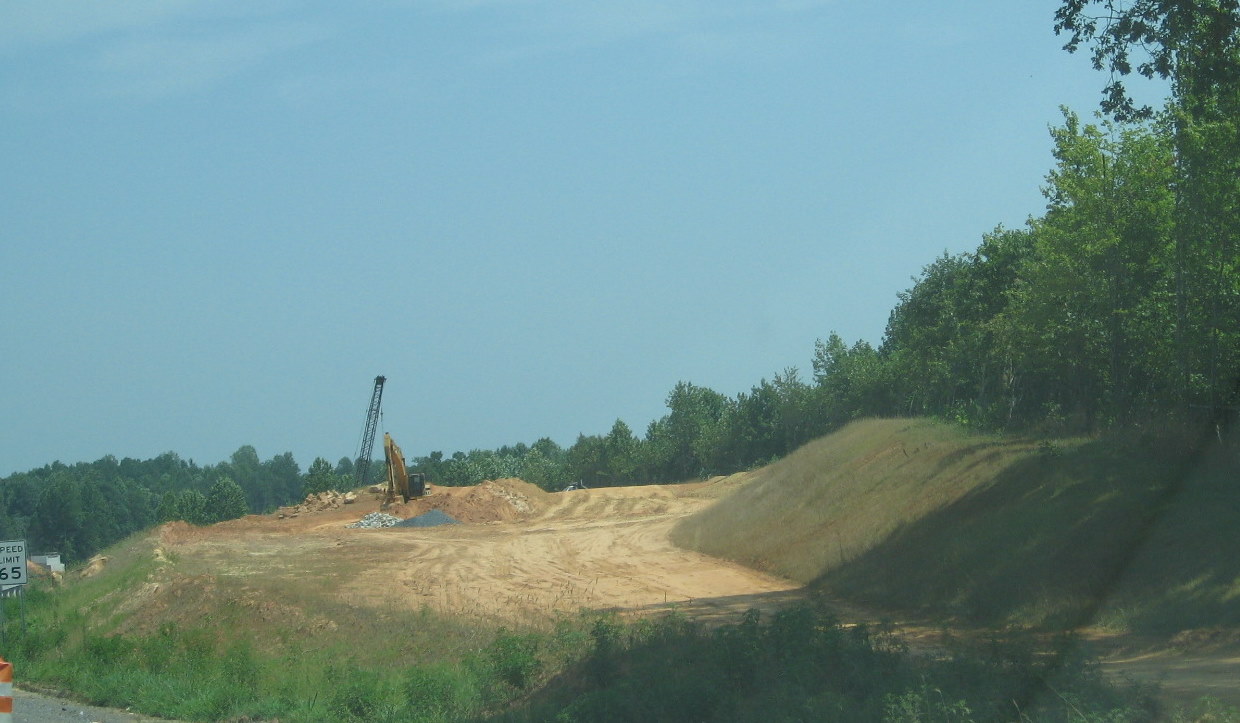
(525, 556)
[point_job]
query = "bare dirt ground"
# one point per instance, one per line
(525, 556)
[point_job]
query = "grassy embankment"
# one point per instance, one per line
(152, 633)
(920, 517)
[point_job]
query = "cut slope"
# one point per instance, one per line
(840, 495)
(919, 516)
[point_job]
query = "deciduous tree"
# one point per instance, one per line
(225, 500)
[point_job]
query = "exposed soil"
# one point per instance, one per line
(526, 556)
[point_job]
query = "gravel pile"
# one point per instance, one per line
(375, 520)
(434, 518)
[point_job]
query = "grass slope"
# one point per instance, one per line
(920, 516)
(841, 495)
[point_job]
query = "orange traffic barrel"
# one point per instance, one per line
(6, 691)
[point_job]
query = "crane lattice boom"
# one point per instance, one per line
(368, 432)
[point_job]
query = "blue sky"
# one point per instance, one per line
(220, 220)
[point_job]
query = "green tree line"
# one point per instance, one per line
(79, 509)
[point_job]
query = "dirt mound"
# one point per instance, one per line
(509, 499)
(502, 500)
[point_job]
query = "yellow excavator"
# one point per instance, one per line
(399, 481)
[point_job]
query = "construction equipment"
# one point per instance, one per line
(362, 467)
(399, 480)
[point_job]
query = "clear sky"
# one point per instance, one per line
(220, 220)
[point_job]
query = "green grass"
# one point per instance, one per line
(799, 664)
(1186, 574)
(208, 672)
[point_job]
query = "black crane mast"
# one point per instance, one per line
(368, 432)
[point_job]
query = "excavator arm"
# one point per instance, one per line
(397, 474)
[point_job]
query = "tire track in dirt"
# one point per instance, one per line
(593, 549)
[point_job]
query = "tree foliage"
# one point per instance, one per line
(225, 500)
(321, 477)
(80, 509)
(1193, 43)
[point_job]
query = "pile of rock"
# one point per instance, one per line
(319, 502)
(434, 518)
(374, 521)
(519, 502)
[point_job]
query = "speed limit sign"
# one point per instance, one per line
(13, 562)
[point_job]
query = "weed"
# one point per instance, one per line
(926, 704)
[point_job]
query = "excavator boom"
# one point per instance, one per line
(399, 480)
(397, 474)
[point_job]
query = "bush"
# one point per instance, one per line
(924, 705)
(514, 658)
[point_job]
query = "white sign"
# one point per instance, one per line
(13, 562)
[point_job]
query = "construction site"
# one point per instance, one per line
(503, 551)
(906, 524)
(520, 555)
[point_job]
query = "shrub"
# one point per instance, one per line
(514, 658)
